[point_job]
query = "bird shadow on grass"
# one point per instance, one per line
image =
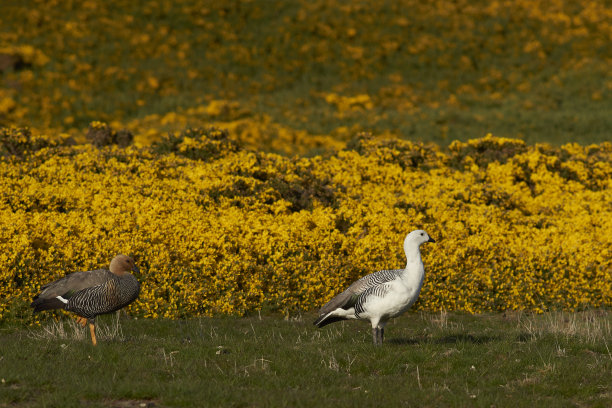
(450, 339)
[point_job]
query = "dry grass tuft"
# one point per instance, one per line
(440, 320)
(590, 326)
(71, 330)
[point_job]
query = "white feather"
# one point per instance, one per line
(62, 299)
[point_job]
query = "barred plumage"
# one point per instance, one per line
(369, 293)
(376, 278)
(117, 292)
(381, 295)
(91, 293)
(348, 298)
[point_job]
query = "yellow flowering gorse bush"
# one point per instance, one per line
(218, 228)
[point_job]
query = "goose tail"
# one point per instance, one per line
(328, 318)
(39, 304)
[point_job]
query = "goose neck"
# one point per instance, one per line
(413, 255)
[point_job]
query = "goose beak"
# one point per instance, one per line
(431, 240)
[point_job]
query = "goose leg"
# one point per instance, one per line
(92, 330)
(377, 336)
(81, 320)
(382, 334)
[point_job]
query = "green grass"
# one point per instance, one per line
(519, 359)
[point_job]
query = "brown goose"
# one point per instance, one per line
(91, 293)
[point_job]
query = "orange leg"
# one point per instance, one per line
(81, 320)
(92, 330)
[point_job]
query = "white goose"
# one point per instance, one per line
(381, 295)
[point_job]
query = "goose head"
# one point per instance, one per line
(122, 264)
(415, 239)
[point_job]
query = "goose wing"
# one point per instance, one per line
(74, 282)
(349, 297)
(370, 294)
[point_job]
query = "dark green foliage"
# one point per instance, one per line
(274, 179)
(20, 141)
(402, 152)
(103, 135)
(198, 143)
(487, 150)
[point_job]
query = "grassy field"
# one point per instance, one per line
(518, 359)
